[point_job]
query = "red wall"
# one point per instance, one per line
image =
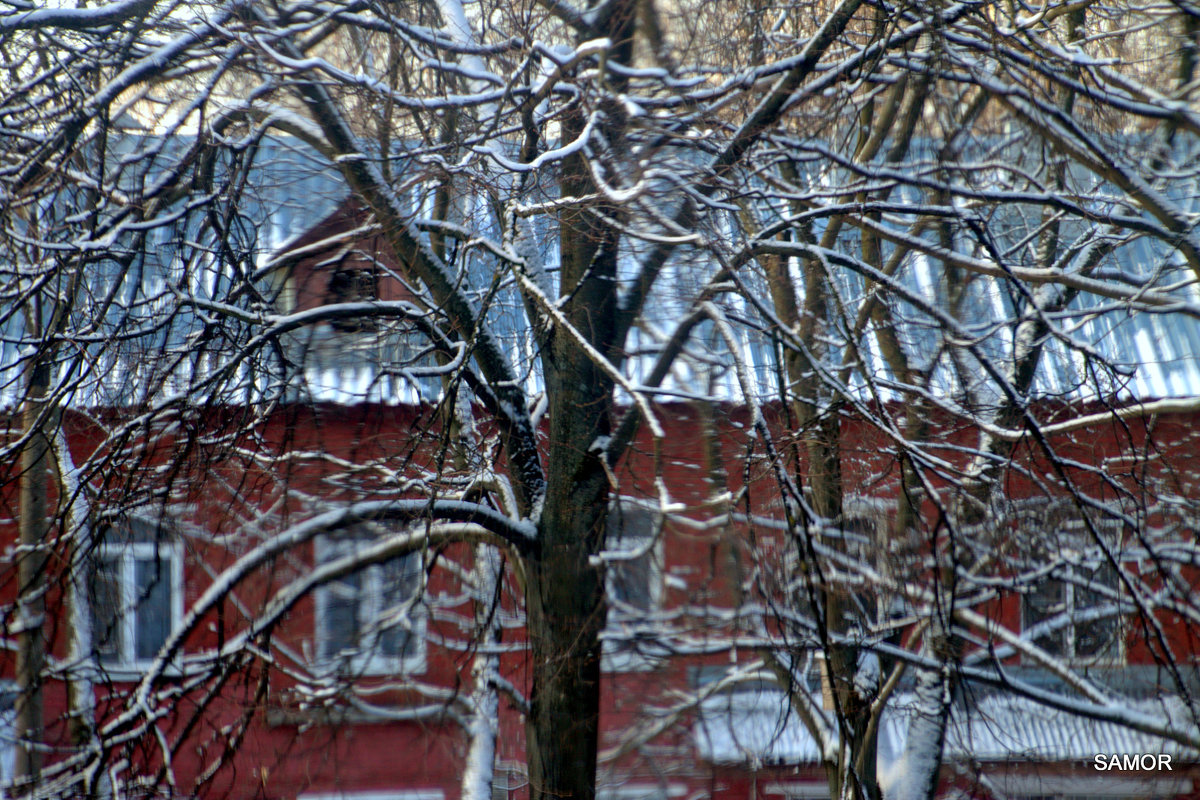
(284, 751)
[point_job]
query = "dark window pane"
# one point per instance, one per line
(106, 609)
(401, 579)
(1096, 638)
(631, 582)
(1079, 635)
(152, 587)
(397, 641)
(1047, 600)
(368, 614)
(353, 285)
(341, 616)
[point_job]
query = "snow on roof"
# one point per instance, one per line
(291, 189)
(1006, 728)
(759, 727)
(756, 727)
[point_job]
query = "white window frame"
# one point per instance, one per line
(367, 661)
(507, 777)
(1114, 656)
(798, 790)
(614, 656)
(127, 555)
(384, 794)
(635, 790)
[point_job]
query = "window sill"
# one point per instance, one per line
(131, 671)
(629, 659)
(372, 667)
(282, 717)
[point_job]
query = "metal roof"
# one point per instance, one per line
(290, 189)
(759, 727)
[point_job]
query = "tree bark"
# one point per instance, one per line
(565, 593)
(31, 574)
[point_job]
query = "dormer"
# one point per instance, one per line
(345, 258)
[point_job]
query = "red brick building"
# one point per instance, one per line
(340, 709)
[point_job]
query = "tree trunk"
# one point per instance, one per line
(479, 773)
(31, 573)
(853, 774)
(565, 592)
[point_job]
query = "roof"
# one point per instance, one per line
(291, 190)
(1008, 728)
(759, 727)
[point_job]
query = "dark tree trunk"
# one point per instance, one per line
(31, 572)
(565, 593)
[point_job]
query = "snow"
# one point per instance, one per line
(758, 727)
(1008, 728)
(495, 150)
(1153, 345)
(916, 771)
(483, 727)
(77, 18)
(866, 678)
(692, 319)
(754, 727)
(470, 64)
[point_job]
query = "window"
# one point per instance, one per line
(634, 586)
(369, 621)
(507, 777)
(136, 597)
(353, 284)
(1075, 618)
(8, 733)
